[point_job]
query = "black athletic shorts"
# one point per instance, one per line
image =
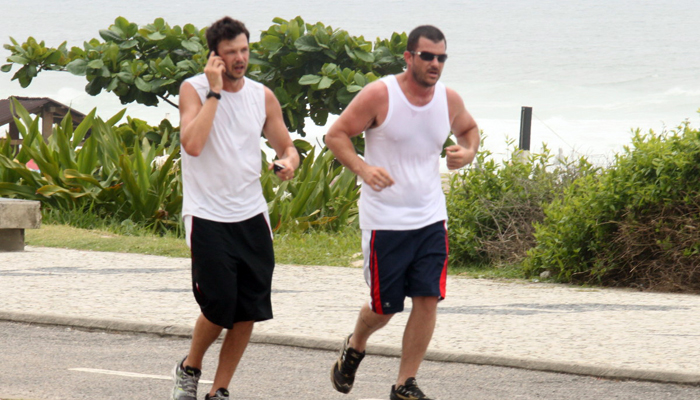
(232, 265)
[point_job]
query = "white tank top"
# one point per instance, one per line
(408, 145)
(223, 183)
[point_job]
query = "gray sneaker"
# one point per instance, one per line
(221, 394)
(185, 382)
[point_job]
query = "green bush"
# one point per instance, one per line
(636, 223)
(116, 171)
(130, 173)
(492, 206)
(323, 195)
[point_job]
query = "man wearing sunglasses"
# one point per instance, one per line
(406, 119)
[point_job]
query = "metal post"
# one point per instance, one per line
(525, 125)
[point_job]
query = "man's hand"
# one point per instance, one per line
(285, 173)
(376, 177)
(214, 71)
(458, 156)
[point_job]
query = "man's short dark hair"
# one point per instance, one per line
(226, 28)
(427, 31)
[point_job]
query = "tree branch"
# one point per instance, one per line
(168, 101)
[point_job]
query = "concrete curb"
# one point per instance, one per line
(575, 368)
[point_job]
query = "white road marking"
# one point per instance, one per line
(128, 374)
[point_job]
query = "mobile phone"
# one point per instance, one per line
(277, 167)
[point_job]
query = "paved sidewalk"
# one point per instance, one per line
(602, 332)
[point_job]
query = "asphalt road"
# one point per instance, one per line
(39, 362)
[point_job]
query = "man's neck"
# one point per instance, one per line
(417, 94)
(233, 85)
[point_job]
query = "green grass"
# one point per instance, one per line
(488, 272)
(313, 248)
(338, 249)
(68, 237)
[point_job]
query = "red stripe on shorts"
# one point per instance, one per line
(443, 277)
(374, 270)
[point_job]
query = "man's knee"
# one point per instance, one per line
(425, 303)
(373, 319)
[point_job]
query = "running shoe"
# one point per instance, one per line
(186, 380)
(408, 391)
(343, 371)
(221, 394)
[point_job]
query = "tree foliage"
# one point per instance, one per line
(314, 70)
(139, 65)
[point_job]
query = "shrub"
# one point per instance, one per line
(116, 171)
(130, 173)
(633, 224)
(323, 194)
(492, 206)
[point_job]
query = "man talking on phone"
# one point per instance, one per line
(226, 218)
(406, 119)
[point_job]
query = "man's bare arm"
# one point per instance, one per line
(360, 114)
(465, 130)
(196, 119)
(276, 133)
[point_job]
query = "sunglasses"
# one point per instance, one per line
(427, 56)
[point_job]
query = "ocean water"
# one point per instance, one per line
(592, 70)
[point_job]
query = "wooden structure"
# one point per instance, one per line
(50, 110)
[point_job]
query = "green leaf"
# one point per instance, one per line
(74, 174)
(282, 96)
(325, 83)
(18, 59)
(112, 84)
(126, 77)
(307, 43)
(87, 157)
(192, 45)
(142, 85)
(322, 37)
(167, 63)
(116, 118)
(81, 130)
(156, 36)
(364, 56)
(309, 80)
(128, 44)
(110, 36)
(96, 64)
(344, 96)
(94, 87)
(294, 30)
(271, 43)
(6, 68)
(77, 67)
(53, 57)
(22, 191)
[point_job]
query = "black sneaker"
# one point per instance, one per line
(408, 391)
(186, 380)
(221, 394)
(343, 371)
